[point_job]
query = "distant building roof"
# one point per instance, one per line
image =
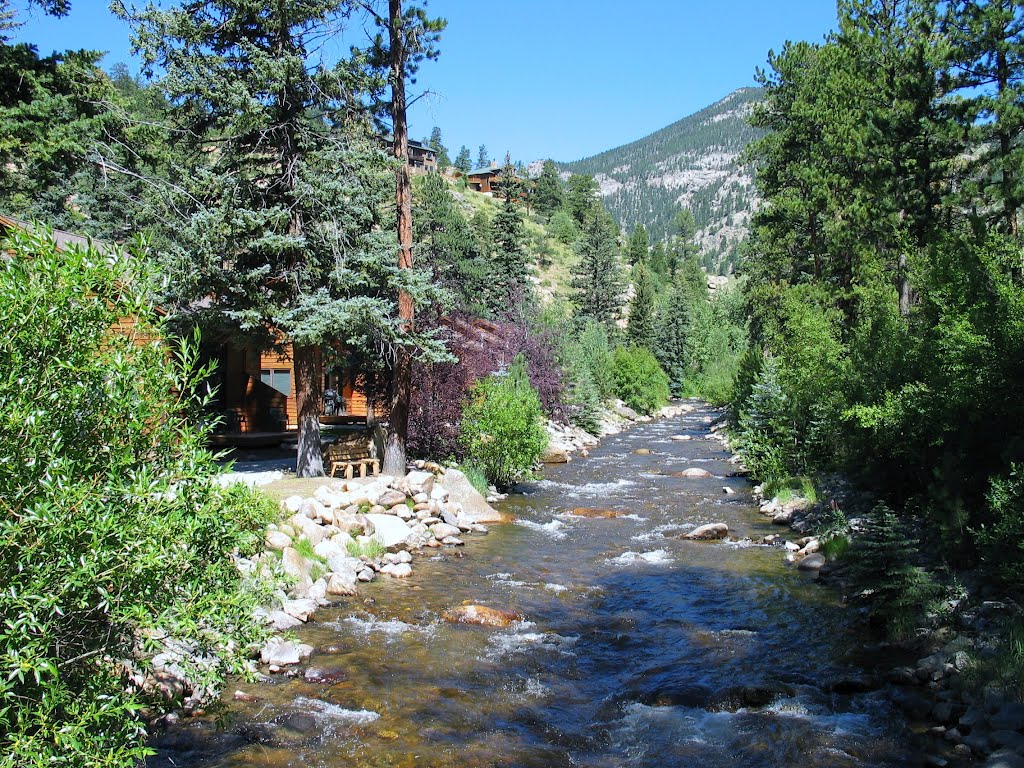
(62, 238)
(485, 171)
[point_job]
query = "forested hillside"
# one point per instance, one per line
(694, 164)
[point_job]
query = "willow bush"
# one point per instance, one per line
(112, 536)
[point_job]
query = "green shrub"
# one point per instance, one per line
(372, 548)
(112, 533)
(502, 429)
(582, 398)
(1005, 531)
(563, 228)
(765, 436)
(639, 381)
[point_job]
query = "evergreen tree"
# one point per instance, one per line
(509, 255)
(658, 262)
(434, 142)
(448, 246)
(548, 192)
(462, 160)
(641, 309)
(638, 248)
(482, 158)
(280, 240)
(597, 278)
(580, 197)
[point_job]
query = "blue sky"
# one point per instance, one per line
(552, 78)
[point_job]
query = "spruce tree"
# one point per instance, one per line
(462, 160)
(672, 347)
(638, 248)
(280, 240)
(548, 192)
(597, 278)
(482, 158)
(509, 265)
(640, 331)
(434, 142)
(580, 196)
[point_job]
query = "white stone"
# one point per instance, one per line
(342, 584)
(278, 540)
(389, 530)
(420, 482)
(294, 564)
(404, 556)
(292, 504)
(401, 571)
(281, 621)
(328, 549)
(709, 531)
(318, 592)
(443, 530)
(284, 652)
(300, 609)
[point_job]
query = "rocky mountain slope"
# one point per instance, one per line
(693, 163)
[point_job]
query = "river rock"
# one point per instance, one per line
(623, 410)
(294, 564)
(292, 504)
(556, 452)
(643, 452)
(681, 438)
(692, 472)
(1009, 717)
(328, 549)
(314, 510)
(474, 507)
(401, 571)
(307, 528)
(708, 532)
(282, 621)
(482, 615)
(420, 482)
(813, 562)
(388, 529)
(284, 652)
(443, 530)
(277, 540)
(324, 675)
(405, 556)
(597, 512)
(1004, 758)
(727, 490)
(453, 541)
(782, 518)
(391, 498)
(366, 574)
(300, 609)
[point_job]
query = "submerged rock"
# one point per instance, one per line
(692, 472)
(482, 615)
(597, 512)
(284, 652)
(708, 532)
(813, 562)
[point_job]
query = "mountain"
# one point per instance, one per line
(693, 163)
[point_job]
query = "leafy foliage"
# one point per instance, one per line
(639, 381)
(502, 428)
(113, 536)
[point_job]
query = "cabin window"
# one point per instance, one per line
(278, 378)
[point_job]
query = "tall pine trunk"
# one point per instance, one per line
(401, 386)
(309, 378)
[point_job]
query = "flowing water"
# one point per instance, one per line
(638, 648)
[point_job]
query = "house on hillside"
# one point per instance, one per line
(422, 159)
(254, 390)
(486, 180)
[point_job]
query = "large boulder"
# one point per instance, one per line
(284, 652)
(692, 472)
(294, 564)
(623, 410)
(443, 530)
(482, 615)
(388, 529)
(420, 482)
(708, 532)
(343, 583)
(277, 540)
(557, 452)
(300, 609)
(475, 508)
(813, 562)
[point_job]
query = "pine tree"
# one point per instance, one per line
(548, 194)
(638, 247)
(482, 158)
(434, 142)
(672, 344)
(658, 262)
(641, 310)
(281, 240)
(597, 278)
(580, 196)
(508, 233)
(462, 160)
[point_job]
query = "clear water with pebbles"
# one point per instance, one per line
(639, 648)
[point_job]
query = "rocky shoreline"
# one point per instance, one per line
(933, 682)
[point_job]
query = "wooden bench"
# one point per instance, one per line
(351, 457)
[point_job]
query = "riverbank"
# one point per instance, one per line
(937, 674)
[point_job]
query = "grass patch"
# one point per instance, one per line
(476, 478)
(789, 488)
(372, 548)
(305, 548)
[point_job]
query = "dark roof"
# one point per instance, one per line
(62, 238)
(485, 171)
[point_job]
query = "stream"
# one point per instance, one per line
(638, 648)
